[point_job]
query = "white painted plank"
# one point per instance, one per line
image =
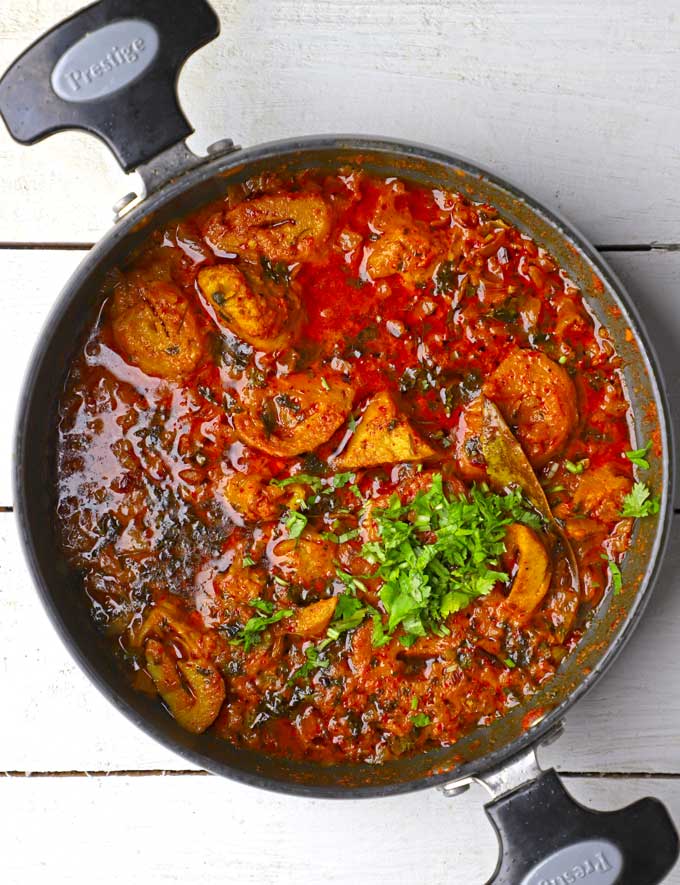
(32, 279)
(629, 723)
(193, 830)
(576, 103)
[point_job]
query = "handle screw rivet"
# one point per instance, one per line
(224, 145)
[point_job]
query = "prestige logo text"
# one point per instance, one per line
(117, 56)
(598, 863)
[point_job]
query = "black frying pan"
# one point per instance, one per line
(111, 69)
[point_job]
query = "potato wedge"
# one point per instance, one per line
(532, 573)
(312, 620)
(383, 436)
(194, 692)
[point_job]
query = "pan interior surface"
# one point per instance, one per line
(62, 591)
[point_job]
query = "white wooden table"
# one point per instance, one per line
(578, 103)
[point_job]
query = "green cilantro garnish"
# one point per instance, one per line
(247, 561)
(575, 466)
(509, 663)
(637, 456)
(250, 635)
(340, 539)
(262, 605)
(302, 478)
(425, 579)
(314, 661)
(341, 479)
(352, 582)
(349, 613)
(378, 637)
(414, 703)
(420, 720)
(325, 384)
(615, 572)
(639, 502)
(295, 523)
(352, 423)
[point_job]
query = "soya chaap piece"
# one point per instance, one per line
(537, 399)
(295, 413)
(246, 303)
(405, 249)
(154, 326)
(283, 227)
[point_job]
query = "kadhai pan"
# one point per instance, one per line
(139, 118)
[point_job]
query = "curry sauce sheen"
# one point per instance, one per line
(342, 465)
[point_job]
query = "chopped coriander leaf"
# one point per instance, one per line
(352, 582)
(301, 478)
(314, 661)
(554, 489)
(295, 523)
(378, 637)
(262, 605)
(575, 466)
(637, 456)
(341, 479)
(325, 384)
(250, 635)
(562, 360)
(639, 502)
(420, 720)
(615, 572)
(247, 561)
(426, 581)
(280, 581)
(414, 703)
(340, 539)
(348, 536)
(349, 613)
(509, 663)
(352, 423)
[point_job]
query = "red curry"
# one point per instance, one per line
(292, 405)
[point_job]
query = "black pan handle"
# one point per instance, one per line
(547, 837)
(112, 70)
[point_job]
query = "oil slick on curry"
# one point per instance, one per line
(345, 465)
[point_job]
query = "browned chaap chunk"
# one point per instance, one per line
(308, 560)
(537, 399)
(253, 497)
(255, 310)
(155, 328)
(383, 436)
(404, 249)
(294, 414)
(600, 493)
(285, 227)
